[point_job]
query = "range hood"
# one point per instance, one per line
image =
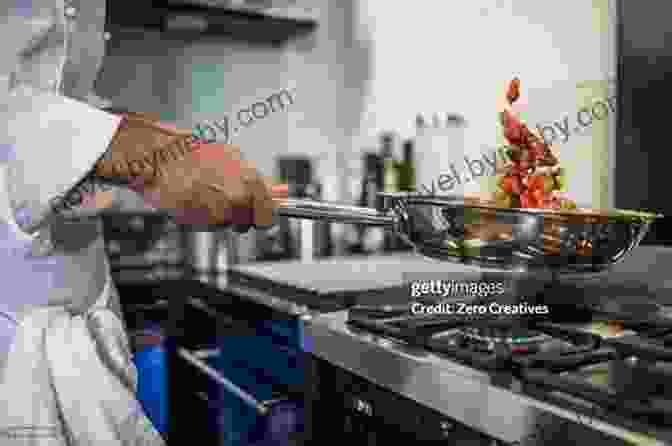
(250, 20)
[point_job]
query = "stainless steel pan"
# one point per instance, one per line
(463, 230)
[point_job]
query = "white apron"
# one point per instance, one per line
(66, 377)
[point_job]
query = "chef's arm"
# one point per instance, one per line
(111, 176)
(175, 171)
(49, 142)
(140, 144)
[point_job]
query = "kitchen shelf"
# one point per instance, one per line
(261, 26)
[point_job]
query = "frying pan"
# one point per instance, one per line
(475, 231)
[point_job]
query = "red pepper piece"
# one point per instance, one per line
(514, 91)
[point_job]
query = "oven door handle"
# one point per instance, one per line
(262, 407)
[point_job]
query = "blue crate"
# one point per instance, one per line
(151, 363)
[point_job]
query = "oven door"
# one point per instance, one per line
(351, 410)
(244, 373)
(244, 418)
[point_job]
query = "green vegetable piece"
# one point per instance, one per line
(505, 201)
(561, 180)
(567, 204)
(471, 215)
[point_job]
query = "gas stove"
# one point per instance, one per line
(484, 341)
(606, 361)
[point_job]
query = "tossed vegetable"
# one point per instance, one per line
(532, 178)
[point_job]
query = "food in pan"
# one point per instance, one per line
(532, 176)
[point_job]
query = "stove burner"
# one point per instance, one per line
(515, 338)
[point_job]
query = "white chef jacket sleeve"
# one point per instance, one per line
(55, 143)
(50, 142)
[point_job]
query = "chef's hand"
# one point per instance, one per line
(208, 184)
(213, 185)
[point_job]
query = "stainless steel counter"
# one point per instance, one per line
(491, 404)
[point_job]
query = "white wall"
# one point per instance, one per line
(448, 56)
(453, 56)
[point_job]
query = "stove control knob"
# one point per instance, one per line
(446, 428)
(632, 360)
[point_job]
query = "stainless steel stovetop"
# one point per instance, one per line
(500, 402)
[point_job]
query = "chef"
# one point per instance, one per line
(66, 376)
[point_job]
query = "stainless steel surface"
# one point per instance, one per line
(496, 408)
(266, 299)
(210, 252)
(201, 250)
(363, 273)
(340, 213)
(477, 232)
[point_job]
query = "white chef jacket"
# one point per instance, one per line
(66, 376)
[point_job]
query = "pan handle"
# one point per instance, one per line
(334, 212)
(304, 209)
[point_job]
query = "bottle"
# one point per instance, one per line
(322, 243)
(420, 122)
(370, 181)
(436, 121)
(290, 238)
(407, 168)
(390, 167)
(422, 144)
(370, 240)
(390, 181)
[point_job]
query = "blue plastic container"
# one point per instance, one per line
(151, 361)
